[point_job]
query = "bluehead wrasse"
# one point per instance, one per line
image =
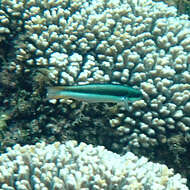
(94, 93)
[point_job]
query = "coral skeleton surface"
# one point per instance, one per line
(71, 166)
(143, 44)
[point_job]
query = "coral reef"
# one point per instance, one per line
(71, 166)
(140, 43)
(183, 6)
(116, 42)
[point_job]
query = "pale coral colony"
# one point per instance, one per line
(140, 43)
(81, 167)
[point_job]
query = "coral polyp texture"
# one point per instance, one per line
(142, 43)
(70, 166)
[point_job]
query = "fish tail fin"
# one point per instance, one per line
(54, 93)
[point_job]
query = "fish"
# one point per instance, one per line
(96, 93)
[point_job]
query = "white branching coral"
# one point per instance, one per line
(136, 42)
(71, 166)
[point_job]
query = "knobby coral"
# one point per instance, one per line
(72, 167)
(140, 43)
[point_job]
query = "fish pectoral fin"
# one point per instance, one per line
(125, 102)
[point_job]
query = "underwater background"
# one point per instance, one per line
(143, 44)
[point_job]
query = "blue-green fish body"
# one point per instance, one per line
(95, 93)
